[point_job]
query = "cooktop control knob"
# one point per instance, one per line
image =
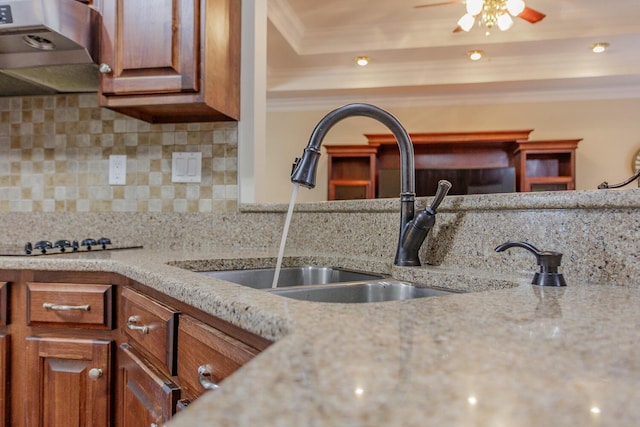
(104, 242)
(62, 244)
(89, 243)
(43, 245)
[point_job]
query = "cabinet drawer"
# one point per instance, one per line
(151, 326)
(69, 305)
(206, 355)
(149, 398)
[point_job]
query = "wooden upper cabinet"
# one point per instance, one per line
(171, 60)
(151, 46)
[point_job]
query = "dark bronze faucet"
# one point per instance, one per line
(413, 228)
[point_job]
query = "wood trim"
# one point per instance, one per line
(4, 377)
(548, 146)
(453, 137)
(4, 303)
(355, 150)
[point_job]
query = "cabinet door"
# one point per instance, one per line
(4, 354)
(150, 46)
(69, 382)
(148, 397)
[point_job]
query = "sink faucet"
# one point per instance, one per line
(413, 228)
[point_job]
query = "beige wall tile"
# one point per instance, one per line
(54, 157)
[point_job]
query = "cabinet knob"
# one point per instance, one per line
(95, 374)
(204, 377)
(105, 68)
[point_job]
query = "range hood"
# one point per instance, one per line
(48, 47)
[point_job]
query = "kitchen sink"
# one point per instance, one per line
(292, 276)
(361, 292)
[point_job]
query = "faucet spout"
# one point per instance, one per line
(412, 232)
(304, 168)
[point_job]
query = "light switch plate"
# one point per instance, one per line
(186, 167)
(117, 169)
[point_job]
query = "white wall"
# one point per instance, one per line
(610, 130)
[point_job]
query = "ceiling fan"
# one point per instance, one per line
(491, 13)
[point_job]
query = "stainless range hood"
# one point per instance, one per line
(47, 47)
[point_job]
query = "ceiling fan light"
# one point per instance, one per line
(474, 7)
(504, 22)
(515, 7)
(466, 22)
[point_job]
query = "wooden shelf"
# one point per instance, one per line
(352, 171)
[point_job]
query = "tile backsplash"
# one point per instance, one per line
(54, 157)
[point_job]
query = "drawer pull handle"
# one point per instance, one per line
(95, 374)
(60, 307)
(204, 376)
(132, 324)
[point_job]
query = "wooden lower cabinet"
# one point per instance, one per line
(149, 398)
(70, 382)
(93, 349)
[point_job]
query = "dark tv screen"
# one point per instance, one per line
(464, 181)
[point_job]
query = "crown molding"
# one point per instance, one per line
(318, 102)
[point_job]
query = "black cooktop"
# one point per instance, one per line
(63, 246)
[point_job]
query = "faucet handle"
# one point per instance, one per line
(443, 188)
(549, 261)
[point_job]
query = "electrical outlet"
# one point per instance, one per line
(117, 169)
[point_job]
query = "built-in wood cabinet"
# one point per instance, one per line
(171, 60)
(362, 171)
(69, 382)
(352, 171)
(546, 165)
(94, 349)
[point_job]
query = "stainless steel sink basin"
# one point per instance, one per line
(363, 292)
(292, 276)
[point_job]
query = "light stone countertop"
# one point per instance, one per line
(504, 354)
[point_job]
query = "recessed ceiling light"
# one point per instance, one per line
(362, 60)
(599, 47)
(475, 55)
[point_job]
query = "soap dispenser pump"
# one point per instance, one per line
(548, 261)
